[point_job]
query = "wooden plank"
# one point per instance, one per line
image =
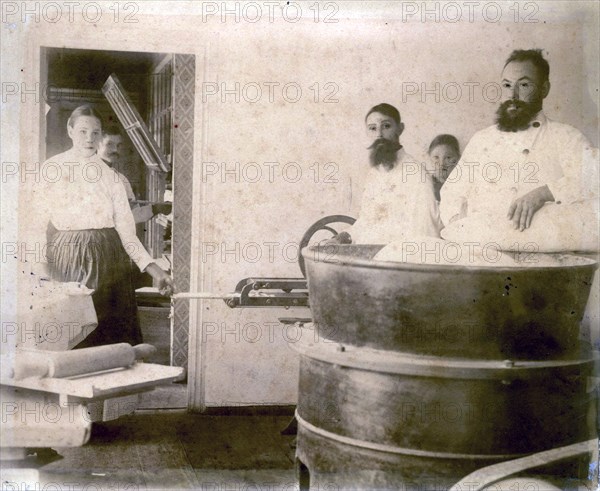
(119, 381)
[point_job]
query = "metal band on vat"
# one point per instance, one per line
(380, 447)
(383, 361)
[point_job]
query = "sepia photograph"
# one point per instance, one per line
(309, 245)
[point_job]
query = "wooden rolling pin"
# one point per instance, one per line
(59, 364)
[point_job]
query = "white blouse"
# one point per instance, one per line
(77, 193)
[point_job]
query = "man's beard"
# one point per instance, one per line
(384, 152)
(517, 119)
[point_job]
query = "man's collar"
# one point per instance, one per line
(539, 120)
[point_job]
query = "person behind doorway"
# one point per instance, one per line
(110, 151)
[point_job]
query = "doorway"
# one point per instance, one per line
(161, 88)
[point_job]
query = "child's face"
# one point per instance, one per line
(443, 159)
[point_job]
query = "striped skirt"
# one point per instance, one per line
(96, 258)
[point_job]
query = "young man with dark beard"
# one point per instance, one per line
(525, 160)
(398, 201)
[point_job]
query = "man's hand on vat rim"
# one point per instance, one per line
(164, 280)
(522, 209)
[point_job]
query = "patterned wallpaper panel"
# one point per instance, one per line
(184, 67)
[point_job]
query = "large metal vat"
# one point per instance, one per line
(386, 403)
(524, 313)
